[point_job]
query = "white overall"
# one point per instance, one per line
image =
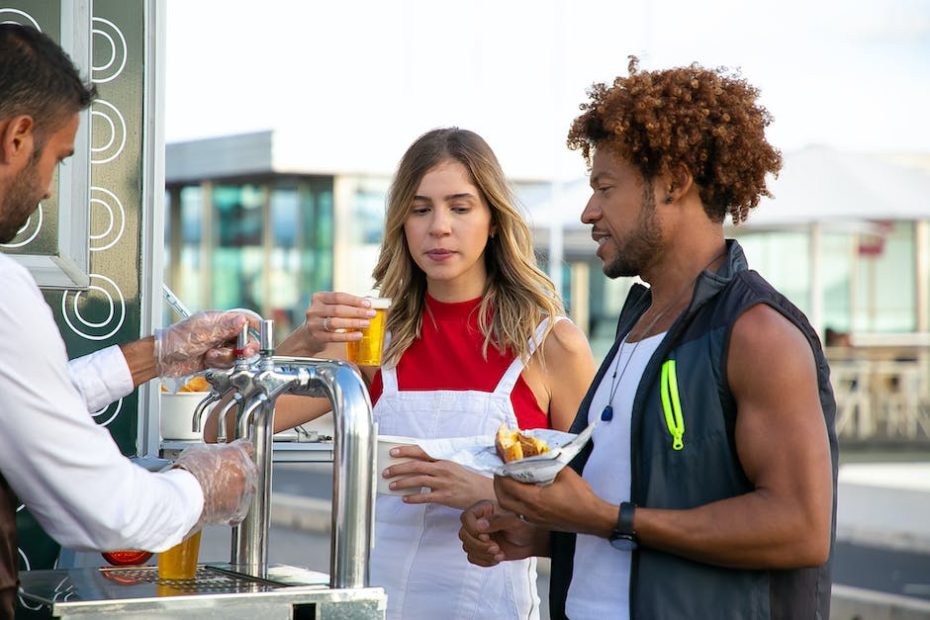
(418, 557)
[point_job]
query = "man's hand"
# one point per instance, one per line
(204, 340)
(227, 476)
(490, 535)
(567, 505)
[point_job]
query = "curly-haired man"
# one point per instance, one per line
(708, 488)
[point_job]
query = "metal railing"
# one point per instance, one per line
(882, 393)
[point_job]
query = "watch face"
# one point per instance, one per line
(624, 542)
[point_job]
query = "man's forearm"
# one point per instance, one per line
(140, 356)
(750, 531)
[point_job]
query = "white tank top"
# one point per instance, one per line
(608, 472)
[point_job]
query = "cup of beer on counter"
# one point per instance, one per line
(179, 563)
(367, 350)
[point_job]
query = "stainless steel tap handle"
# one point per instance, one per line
(242, 341)
(266, 342)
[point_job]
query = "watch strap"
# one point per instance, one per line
(625, 519)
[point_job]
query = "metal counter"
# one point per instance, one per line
(215, 593)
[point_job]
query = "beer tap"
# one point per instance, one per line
(219, 388)
(254, 390)
(256, 421)
(241, 380)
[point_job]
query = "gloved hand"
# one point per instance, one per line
(204, 340)
(228, 477)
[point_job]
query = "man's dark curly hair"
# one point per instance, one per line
(701, 119)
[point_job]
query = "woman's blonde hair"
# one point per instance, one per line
(517, 296)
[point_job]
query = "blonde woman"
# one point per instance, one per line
(477, 338)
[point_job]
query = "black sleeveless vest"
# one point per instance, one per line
(707, 469)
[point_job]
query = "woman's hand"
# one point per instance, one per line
(449, 484)
(331, 318)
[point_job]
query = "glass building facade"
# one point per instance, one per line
(260, 243)
(869, 281)
(268, 243)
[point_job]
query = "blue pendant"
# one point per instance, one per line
(608, 414)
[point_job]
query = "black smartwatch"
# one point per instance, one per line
(624, 536)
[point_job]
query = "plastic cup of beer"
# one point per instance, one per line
(179, 563)
(367, 350)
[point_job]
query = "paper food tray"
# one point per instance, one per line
(479, 454)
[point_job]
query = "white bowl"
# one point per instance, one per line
(177, 414)
(385, 460)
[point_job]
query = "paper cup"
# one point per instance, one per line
(385, 460)
(177, 414)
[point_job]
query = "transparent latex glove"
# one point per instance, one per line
(228, 477)
(204, 340)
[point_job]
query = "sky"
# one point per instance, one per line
(360, 80)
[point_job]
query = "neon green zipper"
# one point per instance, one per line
(671, 405)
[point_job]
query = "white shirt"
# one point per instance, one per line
(601, 574)
(60, 463)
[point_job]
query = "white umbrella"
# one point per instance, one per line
(840, 190)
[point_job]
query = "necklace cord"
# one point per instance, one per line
(608, 412)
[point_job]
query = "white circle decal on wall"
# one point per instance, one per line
(115, 219)
(30, 237)
(25, 559)
(25, 18)
(106, 112)
(100, 286)
(26, 566)
(105, 29)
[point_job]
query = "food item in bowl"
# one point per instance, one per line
(196, 384)
(512, 445)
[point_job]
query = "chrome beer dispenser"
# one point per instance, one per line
(254, 388)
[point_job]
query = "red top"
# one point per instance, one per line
(447, 356)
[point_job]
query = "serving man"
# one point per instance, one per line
(64, 467)
(708, 488)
